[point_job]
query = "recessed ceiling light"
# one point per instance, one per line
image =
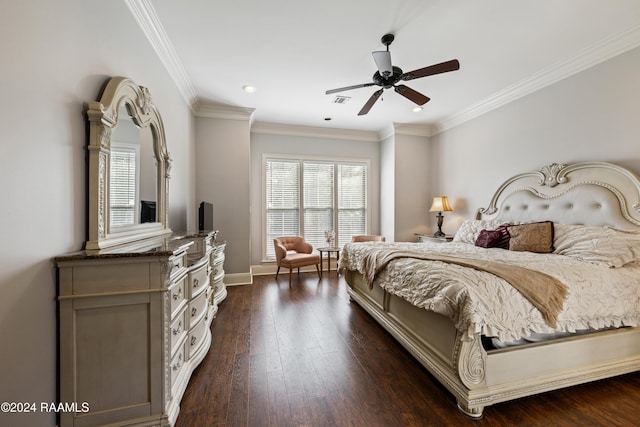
(417, 109)
(249, 89)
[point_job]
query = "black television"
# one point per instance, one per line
(147, 211)
(205, 216)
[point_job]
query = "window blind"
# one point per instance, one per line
(282, 201)
(318, 202)
(352, 202)
(122, 188)
(308, 197)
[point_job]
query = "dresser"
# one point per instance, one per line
(134, 323)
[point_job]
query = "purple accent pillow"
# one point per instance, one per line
(498, 238)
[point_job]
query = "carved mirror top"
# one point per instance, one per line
(129, 166)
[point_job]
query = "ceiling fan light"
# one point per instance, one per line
(383, 62)
(249, 89)
(417, 109)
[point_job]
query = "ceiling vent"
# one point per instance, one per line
(341, 99)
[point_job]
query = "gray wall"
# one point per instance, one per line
(592, 115)
(387, 188)
(57, 56)
(412, 187)
(222, 165)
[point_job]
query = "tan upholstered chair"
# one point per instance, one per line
(368, 238)
(293, 252)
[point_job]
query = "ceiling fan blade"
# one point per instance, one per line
(411, 94)
(342, 89)
(383, 62)
(370, 102)
(443, 67)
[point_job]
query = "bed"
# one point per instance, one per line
(474, 330)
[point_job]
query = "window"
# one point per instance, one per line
(309, 197)
(123, 186)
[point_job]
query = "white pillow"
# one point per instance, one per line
(598, 245)
(470, 229)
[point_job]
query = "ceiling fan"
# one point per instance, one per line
(389, 76)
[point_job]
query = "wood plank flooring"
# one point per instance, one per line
(307, 356)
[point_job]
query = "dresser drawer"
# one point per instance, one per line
(218, 266)
(218, 285)
(178, 330)
(177, 362)
(198, 278)
(178, 264)
(177, 295)
(196, 337)
(197, 309)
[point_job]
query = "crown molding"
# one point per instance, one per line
(219, 111)
(413, 129)
(313, 131)
(424, 130)
(148, 20)
(587, 58)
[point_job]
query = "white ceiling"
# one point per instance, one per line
(294, 50)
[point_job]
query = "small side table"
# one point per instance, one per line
(431, 238)
(329, 251)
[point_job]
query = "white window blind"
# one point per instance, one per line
(352, 202)
(308, 197)
(122, 188)
(282, 179)
(318, 202)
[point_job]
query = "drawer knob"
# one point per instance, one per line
(194, 310)
(178, 364)
(178, 295)
(195, 283)
(177, 330)
(193, 341)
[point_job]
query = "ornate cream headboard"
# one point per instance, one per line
(589, 193)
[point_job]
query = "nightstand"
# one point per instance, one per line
(329, 251)
(430, 238)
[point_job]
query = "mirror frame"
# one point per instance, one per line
(103, 118)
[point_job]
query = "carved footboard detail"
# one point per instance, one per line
(471, 360)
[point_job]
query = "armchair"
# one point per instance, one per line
(294, 252)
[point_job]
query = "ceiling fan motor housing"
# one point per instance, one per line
(387, 82)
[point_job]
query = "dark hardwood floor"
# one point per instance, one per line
(307, 356)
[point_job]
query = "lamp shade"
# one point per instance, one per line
(440, 204)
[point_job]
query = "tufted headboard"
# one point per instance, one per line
(589, 193)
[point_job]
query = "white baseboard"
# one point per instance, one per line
(234, 279)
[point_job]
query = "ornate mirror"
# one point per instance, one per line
(128, 167)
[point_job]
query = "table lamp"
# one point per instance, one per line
(440, 204)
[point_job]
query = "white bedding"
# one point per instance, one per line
(479, 302)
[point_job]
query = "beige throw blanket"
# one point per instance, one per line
(545, 292)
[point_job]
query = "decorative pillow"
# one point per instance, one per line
(598, 245)
(470, 230)
(498, 238)
(532, 237)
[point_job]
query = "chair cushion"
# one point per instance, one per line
(299, 260)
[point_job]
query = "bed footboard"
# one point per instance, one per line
(477, 377)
